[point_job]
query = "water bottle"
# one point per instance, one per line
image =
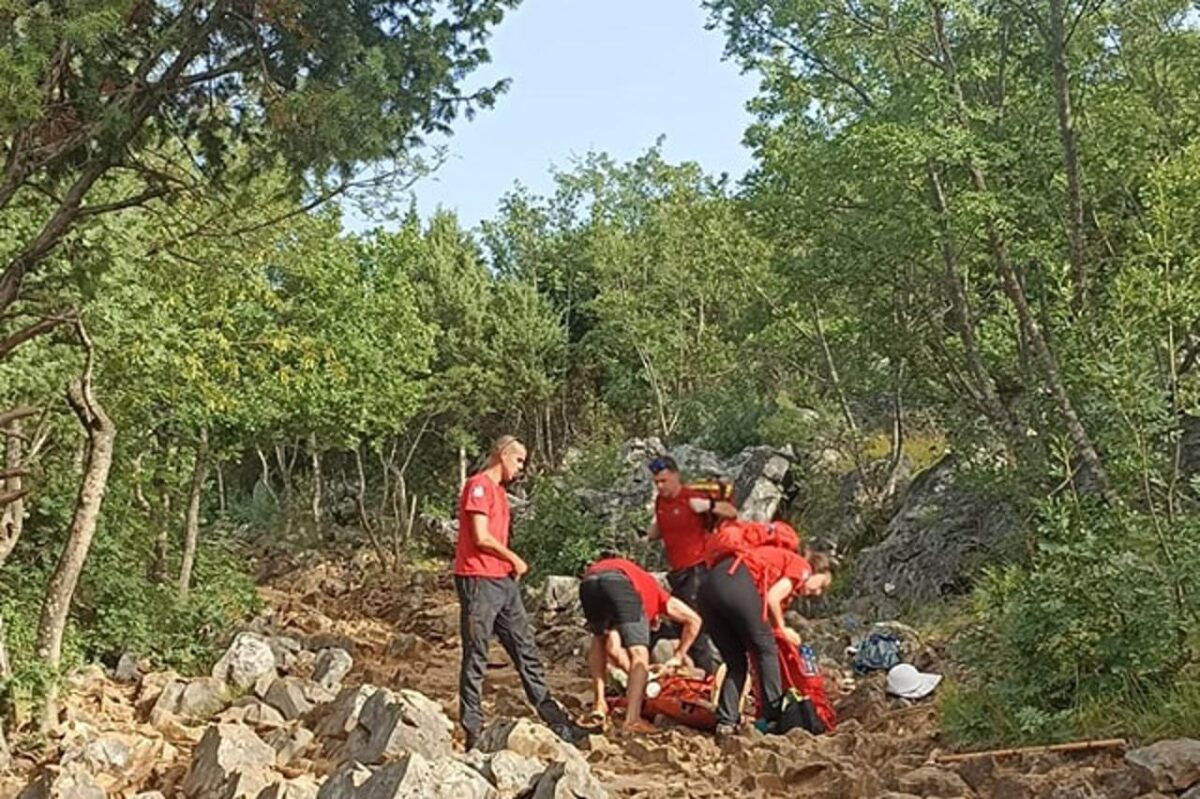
(808, 659)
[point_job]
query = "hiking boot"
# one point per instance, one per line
(725, 732)
(571, 732)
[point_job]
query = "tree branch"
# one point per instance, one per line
(32, 331)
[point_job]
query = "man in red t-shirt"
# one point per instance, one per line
(485, 574)
(681, 522)
(619, 596)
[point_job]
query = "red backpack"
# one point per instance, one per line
(736, 538)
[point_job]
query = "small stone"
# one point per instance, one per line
(332, 665)
(572, 779)
(289, 744)
(512, 774)
(340, 717)
(127, 670)
(288, 696)
(303, 787)
(70, 782)
(933, 782)
(345, 782)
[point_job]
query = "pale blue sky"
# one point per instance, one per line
(606, 75)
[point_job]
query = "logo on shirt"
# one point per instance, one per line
(477, 492)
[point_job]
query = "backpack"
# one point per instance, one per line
(736, 537)
(685, 701)
(805, 702)
(878, 652)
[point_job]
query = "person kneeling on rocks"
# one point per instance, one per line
(742, 603)
(619, 596)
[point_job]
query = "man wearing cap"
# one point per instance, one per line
(681, 519)
(485, 575)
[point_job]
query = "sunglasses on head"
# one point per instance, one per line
(658, 465)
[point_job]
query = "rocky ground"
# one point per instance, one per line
(344, 689)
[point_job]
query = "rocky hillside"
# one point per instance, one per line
(345, 689)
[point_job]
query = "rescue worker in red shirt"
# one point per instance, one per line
(485, 575)
(681, 521)
(620, 597)
(742, 602)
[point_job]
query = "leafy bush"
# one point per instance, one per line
(559, 537)
(1104, 614)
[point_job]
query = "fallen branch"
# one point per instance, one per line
(1074, 746)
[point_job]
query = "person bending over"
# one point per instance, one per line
(620, 597)
(742, 602)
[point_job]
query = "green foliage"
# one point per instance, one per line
(559, 537)
(1105, 613)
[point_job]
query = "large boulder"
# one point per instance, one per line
(528, 739)
(943, 533)
(230, 762)
(1172, 765)
(393, 722)
(511, 773)
(248, 660)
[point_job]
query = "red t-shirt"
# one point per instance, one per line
(683, 530)
(481, 495)
(771, 564)
(654, 597)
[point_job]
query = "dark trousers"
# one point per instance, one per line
(492, 606)
(685, 586)
(732, 609)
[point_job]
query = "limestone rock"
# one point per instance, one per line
(391, 723)
(511, 773)
(1172, 765)
(331, 667)
(526, 738)
(116, 761)
(199, 699)
(127, 669)
(230, 762)
(289, 744)
(345, 782)
(294, 697)
(252, 710)
(339, 718)
(568, 780)
(303, 787)
(407, 778)
(930, 781)
(248, 659)
(70, 782)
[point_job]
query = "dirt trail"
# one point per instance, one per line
(404, 635)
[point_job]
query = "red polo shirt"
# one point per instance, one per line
(481, 496)
(683, 530)
(654, 598)
(771, 564)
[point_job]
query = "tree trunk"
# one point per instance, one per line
(12, 513)
(982, 383)
(1043, 356)
(285, 472)
(462, 467)
(265, 475)
(318, 486)
(97, 462)
(191, 524)
(1070, 152)
(158, 566)
(5, 676)
(222, 501)
(360, 505)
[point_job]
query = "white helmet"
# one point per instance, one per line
(904, 680)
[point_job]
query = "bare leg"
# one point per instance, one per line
(597, 666)
(639, 673)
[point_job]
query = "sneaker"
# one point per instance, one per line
(571, 732)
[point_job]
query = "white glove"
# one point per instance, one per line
(701, 504)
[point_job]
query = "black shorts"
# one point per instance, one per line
(611, 603)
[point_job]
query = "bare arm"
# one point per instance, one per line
(487, 542)
(775, 599)
(653, 534)
(683, 615)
